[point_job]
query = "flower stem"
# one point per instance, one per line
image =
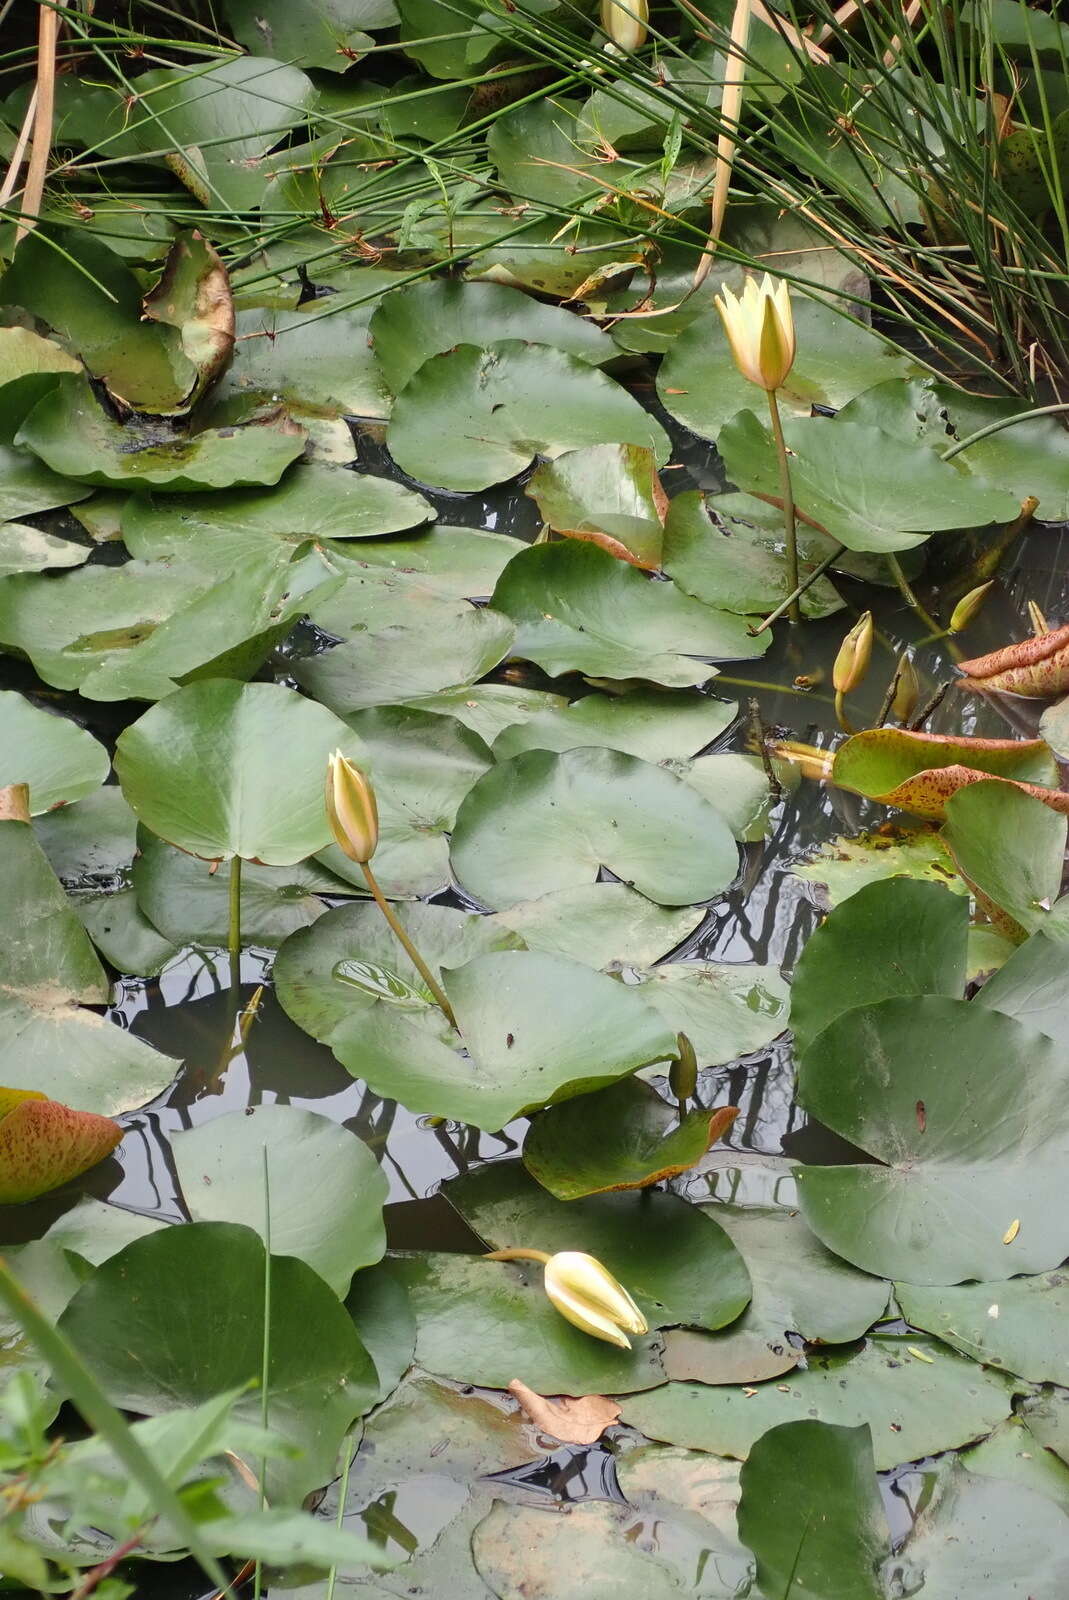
(787, 496)
(910, 598)
(517, 1255)
(234, 941)
(840, 714)
(409, 948)
(806, 583)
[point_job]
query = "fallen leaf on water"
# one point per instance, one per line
(1012, 1231)
(572, 1421)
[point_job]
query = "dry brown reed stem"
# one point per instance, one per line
(37, 168)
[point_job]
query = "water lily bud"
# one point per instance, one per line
(907, 690)
(624, 21)
(683, 1072)
(760, 330)
(968, 607)
(810, 760)
(590, 1297)
(855, 652)
(351, 809)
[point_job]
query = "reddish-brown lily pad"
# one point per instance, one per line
(44, 1144)
(919, 772)
(1037, 667)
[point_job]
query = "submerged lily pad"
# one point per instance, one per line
(987, 1539)
(122, 1324)
(59, 760)
(915, 1407)
(520, 1332)
(202, 770)
(799, 1287)
(472, 417)
(843, 866)
(675, 1260)
(533, 1029)
(948, 1196)
(810, 1511)
(893, 937)
(544, 821)
(334, 1223)
(74, 435)
(425, 319)
(577, 609)
(624, 1137)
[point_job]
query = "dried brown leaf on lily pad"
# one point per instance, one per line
(572, 1421)
(1037, 668)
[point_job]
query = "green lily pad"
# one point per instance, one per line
(59, 760)
(74, 435)
(1033, 986)
(698, 1497)
(26, 549)
(578, 609)
(309, 34)
(1018, 1326)
(45, 954)
(404, 662)
(921, 771)
(201, 769)
(533, 1029)
(544, 821)
(373, 598)
(422, 766)
(457, 563)
(489, 708)
(90, 844)
(93, 1230)
(655, 726)
(520, 1332)
(607, 493)
(1010, 846)
(1031, 458)
(893, 937)
(866, 488)
(28, 486)
(737, 786)
(425, 319)
(350, 963)
(311, 502)
(216, 120)
(94, 301)
(1054, 727)
(675, 1260)
(122, 1323)
(472, 417)
(810, 1511)
(315, 359)
(725, 1011)
(600, 924)
(986, 1539)
(28, 364)
(915, 1407)
(950, 1197)
(798, 1287)
(1014, 1452)
(740, 569)
(122, 933)
(333, 1223)
(383, 1318)
(700, 385)
(623, 1137)
(843, 866)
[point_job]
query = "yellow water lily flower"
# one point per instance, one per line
(760, 329)
(584, 1292)
(624, 22)
(351, 809)
(855, 652)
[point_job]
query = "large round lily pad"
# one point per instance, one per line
(472, 416)
(1020, 1326)
(987, 1539)
(966, 1113)
(578, 609)
(425, 319)
(610, 494)
(544, 821)
(658, 726)
(672, 1257)
(914, 1406)
(600, 924)
(59, 760)
(203, 769)
(325, 1187)
(534, 1029)
(154, 1351)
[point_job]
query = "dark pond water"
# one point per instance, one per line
(765, 918)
